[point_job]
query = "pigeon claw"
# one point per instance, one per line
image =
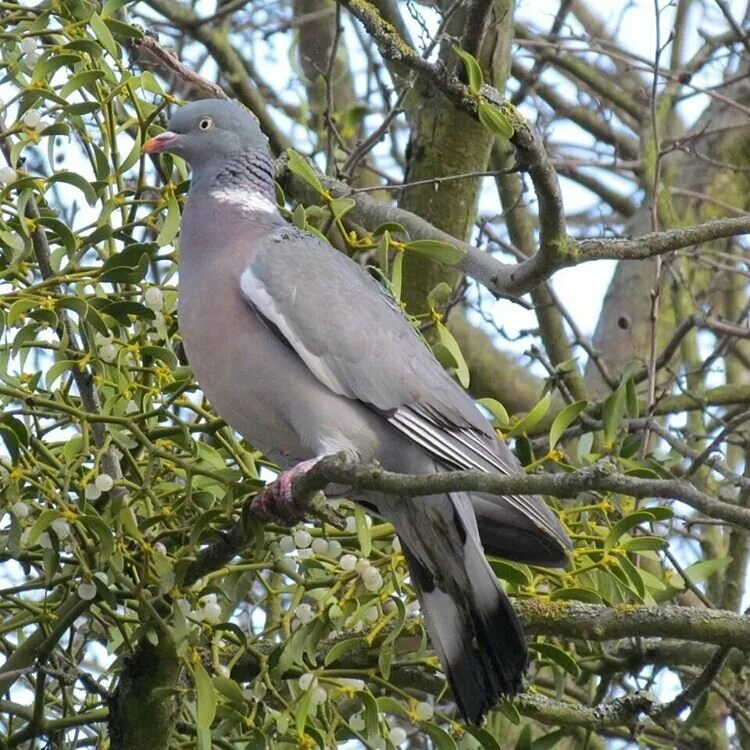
(277, 500)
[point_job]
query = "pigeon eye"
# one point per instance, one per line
(206, 123)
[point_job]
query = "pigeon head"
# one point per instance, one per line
(210, 133)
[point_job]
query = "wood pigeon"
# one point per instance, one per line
(305, 355)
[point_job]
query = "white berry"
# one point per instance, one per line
(61, 528)
(362, 565)
(87, 591)
(286, 544)
(374, 583)
(304, 613)
(153, 298)
(307, 680)
(7, 174)
(357, 722)
(319, 546)
(92, 492)
(424, 711)
(20, 509)
(318, 696)
(211, 612)
(108, 353)
(31, 119)
(334, 548)
(104, 482)
(347, 563)
(28, 44)
(397, 735)
(302, 538)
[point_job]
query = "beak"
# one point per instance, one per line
(161, 142)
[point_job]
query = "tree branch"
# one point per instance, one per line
(339, 469)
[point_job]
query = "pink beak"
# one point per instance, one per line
(160, 143)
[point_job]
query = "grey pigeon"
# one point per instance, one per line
(303, 353)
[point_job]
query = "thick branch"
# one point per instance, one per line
(338, 469)
(515, 279)
(596, 622)
(557, 250)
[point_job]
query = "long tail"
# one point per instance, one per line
(471, 622)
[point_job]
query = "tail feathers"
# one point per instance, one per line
(509, 531)
(474, 631)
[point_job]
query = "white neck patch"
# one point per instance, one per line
(247, 200)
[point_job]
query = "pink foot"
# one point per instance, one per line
(277, 500)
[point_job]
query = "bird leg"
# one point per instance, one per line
(277, 500)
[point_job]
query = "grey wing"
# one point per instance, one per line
(357, 342)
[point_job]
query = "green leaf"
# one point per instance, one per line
(392, 227)
(167, 356)
(83, 108)
(473, 71)
(443, 252)
(76, 180)
(60, 231)
(123, 29)
(450, 343)
(557, 656)
(614, 409)
(104, 35)
(372, 713)
(494, 120)
(632, 573)
(397, 272)
(497, 410)
(46, 517)
(84, 78)
(57, 369)
(439, 296)
(102, 532)
(388, 705)
(300, 167)
(704, 569)
(231, 691)
(695, 714)
(341, 206)
(578, 594)
(171, 223)
(301, 709)
(363, 531)
(509, 572)
(114, 270)
(342, 648)
(485, 739)
(46, 68)
(441, 740)
(533, 417)
(660, 513)
(563, 420)
(510, 712)
(624, 525)
(205, 697)
(14, 434)
(644, 544)
(631, 399)
(548, 741)
(122, 310)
